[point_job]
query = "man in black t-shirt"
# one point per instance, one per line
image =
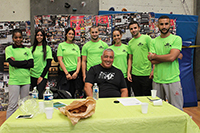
(109, 79)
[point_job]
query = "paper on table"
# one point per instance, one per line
(129, 101)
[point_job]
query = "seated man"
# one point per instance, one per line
(109, 79)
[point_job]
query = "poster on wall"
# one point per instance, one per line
(147, 21)
(104, 24)
(121, 21)
(55, 25)
(4, 98)
(6, 29)
(88, 21)
(77, 22)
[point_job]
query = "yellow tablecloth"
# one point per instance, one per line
(109, 117)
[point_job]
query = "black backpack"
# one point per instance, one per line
(60, 94)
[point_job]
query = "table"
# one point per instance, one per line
(109, 117)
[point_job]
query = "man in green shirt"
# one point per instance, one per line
(164, 53)
(140, 76)
(92, 51)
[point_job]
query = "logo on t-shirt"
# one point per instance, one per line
(167, 45)
(25, 54)
(140, 44)
(106, 75)
(123, 50)
(74, 49)
(101, 47)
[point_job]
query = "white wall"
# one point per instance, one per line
(22, 7)
(157, 6)
(14, 10)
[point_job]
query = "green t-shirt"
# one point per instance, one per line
(70, 54)
(93, 51)
(18, 76)
(166, 72)
(139, 48)
(39, 62)
(120, 57)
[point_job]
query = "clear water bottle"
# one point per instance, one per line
(48, 98)
(95, 91)
(35, 93)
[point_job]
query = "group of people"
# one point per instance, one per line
(123, 67)
(115, 69)
(28, 67)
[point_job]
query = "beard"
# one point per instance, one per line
(164, 32)
(95, 38)
(135, 34)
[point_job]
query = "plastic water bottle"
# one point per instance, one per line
(48, 98)
(35, 93)
(95, 91)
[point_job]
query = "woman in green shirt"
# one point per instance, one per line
(20, 61)
(42, 56)
(69, 59)
(121, 52)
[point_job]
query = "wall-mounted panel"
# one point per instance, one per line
(46, 7)
(185, 7)
(15, 10)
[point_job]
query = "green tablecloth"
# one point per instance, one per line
(109, 117)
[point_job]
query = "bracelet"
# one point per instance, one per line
(67, 74)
